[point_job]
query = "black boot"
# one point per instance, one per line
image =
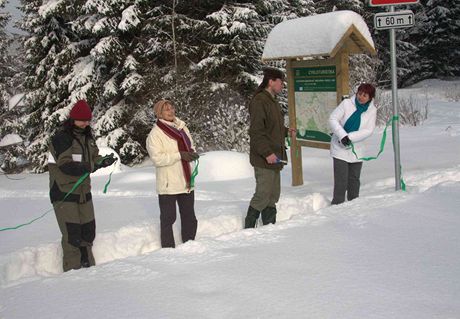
(251, 218)
(269, 215)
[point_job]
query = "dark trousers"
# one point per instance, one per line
(346, 180)
(186, 202)
(268, 188)
(78, 228)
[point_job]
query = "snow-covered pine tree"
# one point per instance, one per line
(236, 36)
(116, 71)
(325, 6)
(13, 152)
(436, 39)
(52, 47)
(5, 72)
(441, 43)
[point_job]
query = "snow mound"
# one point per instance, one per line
(223, 166)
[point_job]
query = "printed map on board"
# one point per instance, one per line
(312, 113)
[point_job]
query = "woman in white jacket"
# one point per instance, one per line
(170, 147)
(351, 122)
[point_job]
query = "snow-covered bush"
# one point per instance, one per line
(452, 92)
(412, 110)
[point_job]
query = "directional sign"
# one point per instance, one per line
(375, 3)
(393, 20)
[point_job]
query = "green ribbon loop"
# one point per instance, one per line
(28, 223)
(80, 180)
(106, 186)
(194, 174)
(382, 146)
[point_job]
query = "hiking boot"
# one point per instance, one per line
(269, 215)
(251, 217)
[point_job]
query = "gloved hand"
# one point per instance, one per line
(108, 160)
(346, 141)
(85, 166)
(189, 156)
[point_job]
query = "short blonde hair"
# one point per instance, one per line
(160, 106)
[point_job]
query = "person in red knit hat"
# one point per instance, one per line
(72, 154)
(81, 111)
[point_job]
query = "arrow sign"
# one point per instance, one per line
(393, 20)
(375, 3)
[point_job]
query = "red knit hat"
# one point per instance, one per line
(81, 111)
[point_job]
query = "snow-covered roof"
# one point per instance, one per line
(319, 35)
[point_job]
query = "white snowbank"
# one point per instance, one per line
(223, 166)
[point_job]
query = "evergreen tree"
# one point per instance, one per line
(12, 156)
(436, 41)
(51, 49)
(124, 55)
(114, 29)
(236, 37)
(325, 6)
(441, 43)
(5, 71)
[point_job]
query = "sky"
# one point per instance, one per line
(387, 254)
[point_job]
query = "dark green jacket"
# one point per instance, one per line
(72, 153)
(266, 131)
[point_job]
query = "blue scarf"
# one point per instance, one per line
(354, 121)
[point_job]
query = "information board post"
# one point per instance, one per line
(394, 94)
(315, 88)
(296, 149)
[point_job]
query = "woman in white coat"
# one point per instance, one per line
(170, 147)
(351, 122)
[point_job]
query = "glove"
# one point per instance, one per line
(189, 156)
(108, 160)
(346, 141)
(85, 166)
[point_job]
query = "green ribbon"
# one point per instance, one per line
(194, 174)
(382, 146)
(382, 143)
(403, 185)
(106, 186)
(80, 180)
(288, 140)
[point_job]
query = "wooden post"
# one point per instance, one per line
(342, 75)
(296, 149)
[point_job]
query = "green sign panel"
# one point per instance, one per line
(316, 79)
(315, 98)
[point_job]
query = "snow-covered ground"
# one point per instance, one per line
(385, 255)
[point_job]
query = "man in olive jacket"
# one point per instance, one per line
(267, 148)
(72, 154)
